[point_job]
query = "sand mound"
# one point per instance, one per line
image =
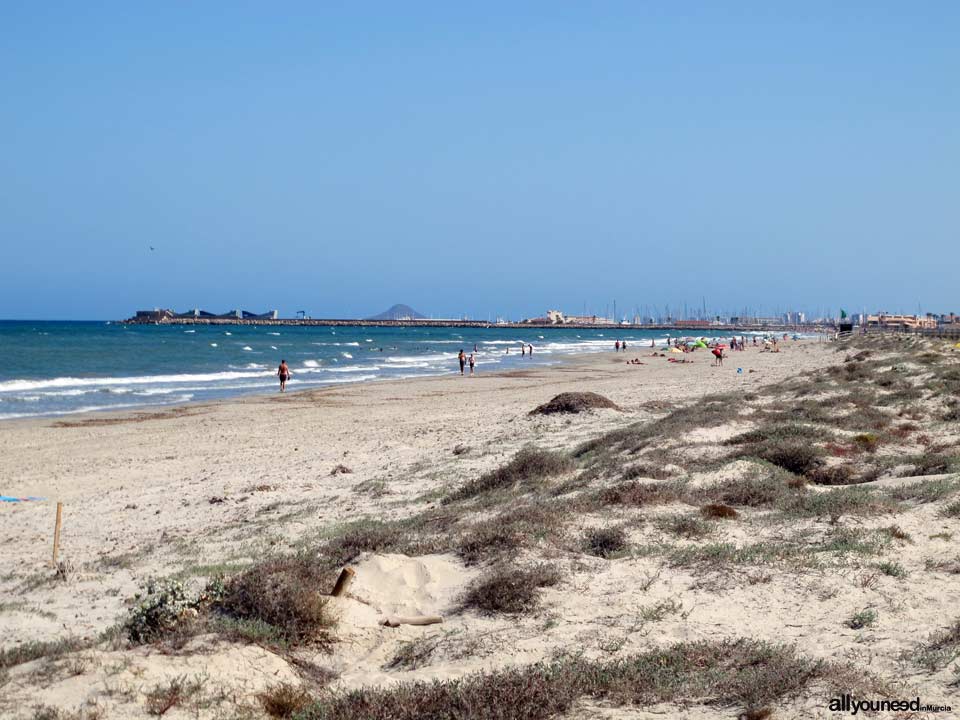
(575, 402)
(118, 682)
(401, 585)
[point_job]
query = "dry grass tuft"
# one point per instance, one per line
(509, 589)
(604, 542)
(283, 593)
(528, 466)
(641, 494)
(284, 700)
(719, 511)
(747, 673)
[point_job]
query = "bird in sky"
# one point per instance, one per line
(152, 248)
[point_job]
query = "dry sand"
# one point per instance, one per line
(213, 487)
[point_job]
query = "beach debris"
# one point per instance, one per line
(398, 620)
(461, 449)
(343, 582)
(575, 402)
(10, 499)
(216, 500)
(341, 470)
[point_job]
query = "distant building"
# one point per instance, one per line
(205, 314)
(269, 315)
(691, 323)
(794, 318)
(555, 316)
(903, 322)
(587, 320)
(155, 315)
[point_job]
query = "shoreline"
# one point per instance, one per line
(125, 394)
(253, 395)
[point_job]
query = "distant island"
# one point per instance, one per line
(398, 312)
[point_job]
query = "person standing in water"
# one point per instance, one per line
(530, 348)
(472, 363)
(463, 360)
(523, 350)
(283, 372)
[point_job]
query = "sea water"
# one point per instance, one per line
(57, 368)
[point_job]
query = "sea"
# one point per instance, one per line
(61, 368)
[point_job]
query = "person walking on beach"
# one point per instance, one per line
(283, 372)
(472, 362)
(463, 360)
(616, 346)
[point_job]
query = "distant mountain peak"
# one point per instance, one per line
(399, 312)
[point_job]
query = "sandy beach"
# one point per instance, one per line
(205, 489)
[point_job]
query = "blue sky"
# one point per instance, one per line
(494, 158)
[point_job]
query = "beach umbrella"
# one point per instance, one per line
(700, 343)
(676, 350)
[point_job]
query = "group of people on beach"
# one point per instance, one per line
(284, 372)
(716, 349)
(464, 359)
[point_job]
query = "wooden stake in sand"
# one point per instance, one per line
(343, 582)
(56, 533)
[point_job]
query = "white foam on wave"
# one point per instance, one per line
(189, 331)
(112, 382)
(247, 348)
(311, 364)
(213, 344)
(347, 355)
(273, 333)
(420, 358)
(228, 333)
(354, 368)
(273, 347)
